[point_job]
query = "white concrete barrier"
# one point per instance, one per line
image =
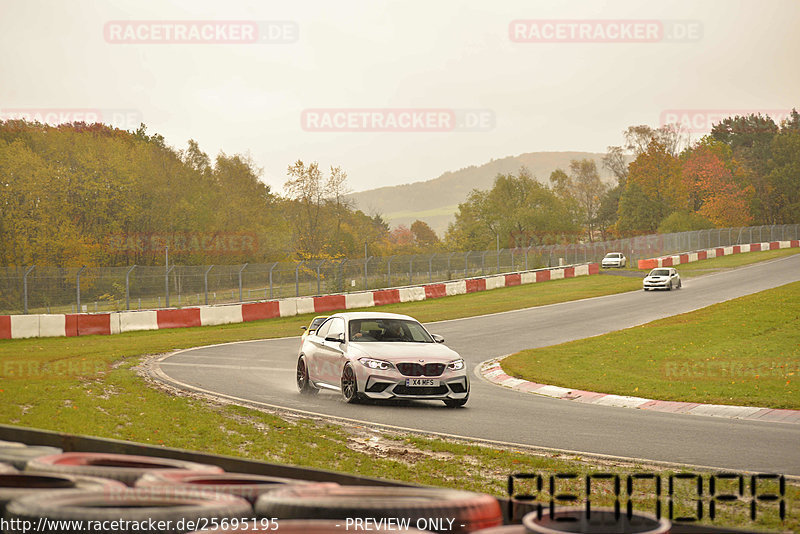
(114, 323)
(305, 305)
(358, 300)
(132, 321)
(494, 282)
(216, 315)
(287, 307)
(456, 288)
(23, 326)
(529, 277)
(412, 294)
(556, 274)
(52, 325)
(582, 270)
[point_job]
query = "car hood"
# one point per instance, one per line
(656, 278)
(401, 352)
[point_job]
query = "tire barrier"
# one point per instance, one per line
(431, 509)
(600, 520)
(135, 507)
(123, 467)
(82, 324)
(243, 485)
(16, 485)
(20, 456)
(7, 468)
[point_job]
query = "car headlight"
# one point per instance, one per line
(456, 365)
(375, 364)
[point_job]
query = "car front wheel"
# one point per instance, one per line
(350, 385)
(303, 383)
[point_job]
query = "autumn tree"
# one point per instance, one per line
(424, 236)
(518, 210)
(653, 191)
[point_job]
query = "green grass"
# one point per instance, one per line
(741, 352)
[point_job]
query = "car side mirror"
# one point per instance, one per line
(304, 327)
(337, 338)
(437, 338)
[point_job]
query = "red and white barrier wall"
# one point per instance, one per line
(82, 324)
(689, 257)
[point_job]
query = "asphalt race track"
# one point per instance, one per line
(264, 372)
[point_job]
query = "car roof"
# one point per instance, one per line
(347, 316)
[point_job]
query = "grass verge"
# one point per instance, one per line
(742, 352)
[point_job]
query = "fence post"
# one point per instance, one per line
(240, 280)
(205, 284)
(430, 268)
(78, 287)
(483, 262)
(166, 286)
(319, 276)
(389, 271)
(270, 278)
(25, 289)
(128, 288)
(466, 263)
(411, 269)
(366, 261)
(297, 278)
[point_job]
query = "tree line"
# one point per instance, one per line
(78, 194)
(745, 172)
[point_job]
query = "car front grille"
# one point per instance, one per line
(416, 369)
(406, 390)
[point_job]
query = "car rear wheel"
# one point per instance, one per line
(304, 385)
(679, 284)
(350, 385)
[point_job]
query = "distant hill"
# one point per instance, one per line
(436, 201)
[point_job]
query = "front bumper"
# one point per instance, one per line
(393, 386)
(656, 284)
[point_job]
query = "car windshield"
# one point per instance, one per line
(613, 255)
(659, 272)
(388, 330)
(316, 322)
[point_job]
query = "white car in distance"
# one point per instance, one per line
(373, 355)
(613, 259)
(662, 278)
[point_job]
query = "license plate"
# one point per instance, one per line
(422, 382)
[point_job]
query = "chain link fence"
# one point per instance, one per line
(38, 289)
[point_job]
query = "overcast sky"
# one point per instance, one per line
(477, 85)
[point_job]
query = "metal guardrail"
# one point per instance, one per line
(40, 289)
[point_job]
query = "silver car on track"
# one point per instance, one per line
(662, 278)
(380, 356)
